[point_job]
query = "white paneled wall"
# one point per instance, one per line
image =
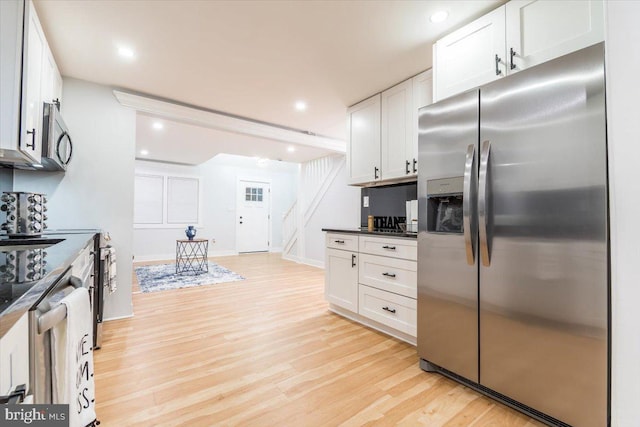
(324, 200)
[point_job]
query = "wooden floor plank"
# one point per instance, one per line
(266, 351)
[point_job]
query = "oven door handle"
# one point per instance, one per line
(15, 397)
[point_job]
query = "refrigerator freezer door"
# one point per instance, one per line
(544, 294)
(447, 284)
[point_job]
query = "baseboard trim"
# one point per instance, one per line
(222, 253)
(307, 261)
(127, 316)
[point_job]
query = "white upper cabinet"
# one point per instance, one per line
(30, 77)
(383, 133)
(538, 31)
(471, 56)
(11, 18)
(516, 36)
(33, 58)
(422, 96)
(397, 131)
(51, 79)
(363, 154)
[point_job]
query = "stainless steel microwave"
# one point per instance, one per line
(57, 146)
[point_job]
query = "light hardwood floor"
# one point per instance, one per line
(267, 352)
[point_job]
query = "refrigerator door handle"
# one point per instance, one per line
(469, 197)
(483, 204)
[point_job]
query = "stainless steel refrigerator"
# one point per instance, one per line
(513, 245)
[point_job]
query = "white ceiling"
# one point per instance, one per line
(250, 58)
(190, 144)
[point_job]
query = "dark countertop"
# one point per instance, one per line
(394, 234)
(16, 299)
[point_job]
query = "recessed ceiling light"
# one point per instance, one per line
(158, 125)
(126, 52)
(301, 105)
(291, 148)
(439, 16)
(144, 152)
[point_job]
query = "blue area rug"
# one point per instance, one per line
(162, 277)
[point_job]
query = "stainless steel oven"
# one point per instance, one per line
(57, 146)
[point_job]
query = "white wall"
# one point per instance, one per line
(219, 180)
(97, 189)
(623, 123)
(338, 208)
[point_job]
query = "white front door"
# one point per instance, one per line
(252, 216)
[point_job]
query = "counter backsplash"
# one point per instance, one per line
(387, 204)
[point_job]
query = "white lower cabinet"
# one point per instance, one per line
(390, 309)
(373, 282)
(14, 357)
(341, 279)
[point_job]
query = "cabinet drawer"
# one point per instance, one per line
(389, 274)
(393, 310)
(390, 247)
(348, 242)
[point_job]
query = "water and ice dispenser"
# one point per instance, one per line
(444, 205)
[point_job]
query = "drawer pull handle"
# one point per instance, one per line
(353, 260)
(389, 274)
(339, 241)
(390, 310)
(391, 248)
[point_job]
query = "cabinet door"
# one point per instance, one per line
(397, 130)
(422, 96)
(538, 31)
(51, 80)
(363, 155)
(471, 56)
(341, 279)
(31, 132)
(11, 17)
(57, 85)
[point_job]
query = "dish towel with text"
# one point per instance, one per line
(111, 279)
(72, 360)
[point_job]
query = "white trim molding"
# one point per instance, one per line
(229, 123)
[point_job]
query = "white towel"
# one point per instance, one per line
(113, 284)
(72, 360)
